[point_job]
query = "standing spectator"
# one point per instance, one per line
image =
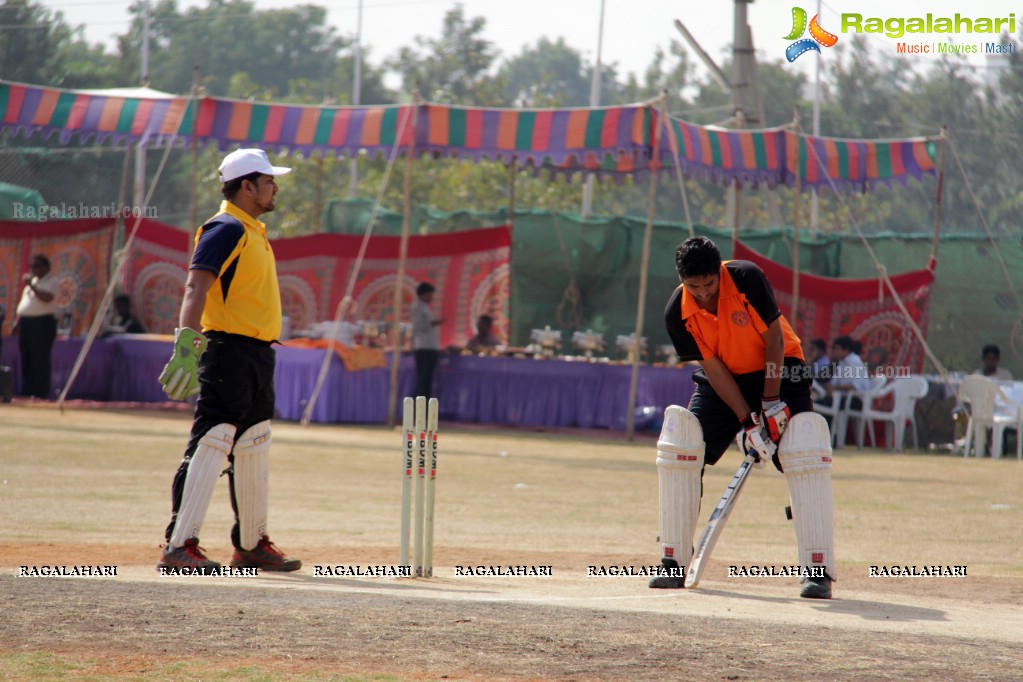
(232, 297)
(484, 339)
(425, 339)
(36, 327)
(123, 321)
(990, 357)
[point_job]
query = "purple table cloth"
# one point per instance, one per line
(508, 391)
(526, 392)
(93, 382)
(347, 397)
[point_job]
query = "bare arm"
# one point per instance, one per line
(196, 287)
(42, 294)
(774, 340)
(723, 383)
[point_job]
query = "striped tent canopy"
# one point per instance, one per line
(614, 141)
(778, 156)
(605, 140)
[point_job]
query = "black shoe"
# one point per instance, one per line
(674, 580)
(816, 588)
(265, 557)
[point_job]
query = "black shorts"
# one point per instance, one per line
(718, 421)
(236, 384)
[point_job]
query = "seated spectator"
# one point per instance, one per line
(819, 361)
(849, 373)
(484, 339)
(990, 357)
(121, 320)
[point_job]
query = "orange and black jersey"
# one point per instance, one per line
(746, 308)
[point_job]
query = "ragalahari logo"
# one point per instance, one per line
(818, 36)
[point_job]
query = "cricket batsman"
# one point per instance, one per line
(230, 316)
(753, 380)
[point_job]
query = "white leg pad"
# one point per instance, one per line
(251, 477)
(201, 479)
(680, 452)
(805, 455)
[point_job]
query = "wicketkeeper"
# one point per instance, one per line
(753, 378)
(232, 296)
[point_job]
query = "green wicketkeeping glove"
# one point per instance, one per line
(180, 378)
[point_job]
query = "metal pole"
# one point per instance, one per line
(594, 101)
(353, 168)
(139, 188)
(814, 208)
(146, 23)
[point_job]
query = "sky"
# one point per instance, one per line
(633, 29)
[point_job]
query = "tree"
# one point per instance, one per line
(549, 74)
(37, 46)
(281, 51)
(455, 68)
(668, 72)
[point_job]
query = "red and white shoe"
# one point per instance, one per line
(265, 556)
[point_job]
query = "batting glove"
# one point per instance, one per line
(180, 377)
(756, 441)
(776, 417)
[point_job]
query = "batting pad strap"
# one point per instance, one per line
(251, 477)
(805, 455)
(680, 455)
(203, 471)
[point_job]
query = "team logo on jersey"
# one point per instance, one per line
(740, 318)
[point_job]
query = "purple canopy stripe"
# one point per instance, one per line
(613, 141)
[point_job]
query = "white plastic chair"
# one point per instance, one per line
(905, 392)
(836, 410)
(980, 393)
(866, 398)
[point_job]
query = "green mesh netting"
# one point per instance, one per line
(574, 275)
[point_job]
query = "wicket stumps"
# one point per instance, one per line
(419, 430)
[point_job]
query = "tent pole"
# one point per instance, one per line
(937, 200)
(318, 195)
(194, 212)
(406, 220)
(120, 228)
(644, 269)
(796, 130)
(513, 174)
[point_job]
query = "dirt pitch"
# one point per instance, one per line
(91, 487)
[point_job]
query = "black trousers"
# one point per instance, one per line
(236, 386)
(426, 362)
(35, 341)
(718, 421)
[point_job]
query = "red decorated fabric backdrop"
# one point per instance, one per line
(860, 308)
(79, 253)
(470, 270)
(154, 274)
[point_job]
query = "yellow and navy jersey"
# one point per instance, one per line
(746, 308)
(245, 299)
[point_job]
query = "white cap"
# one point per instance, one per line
(241, 162)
